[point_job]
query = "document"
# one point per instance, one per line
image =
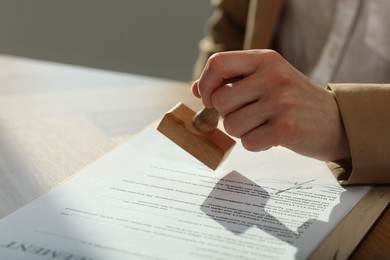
(149, 199)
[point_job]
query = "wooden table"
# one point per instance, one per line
(55, 119)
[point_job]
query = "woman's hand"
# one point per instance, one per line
(267, 102)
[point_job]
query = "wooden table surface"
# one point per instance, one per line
(55, 119)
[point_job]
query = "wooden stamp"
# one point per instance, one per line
(197, 134)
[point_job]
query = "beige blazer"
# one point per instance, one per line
(364, 108)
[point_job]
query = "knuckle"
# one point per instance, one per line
(250, 144)
(283, 78)
(231, 126)
(279, 68)
(272, 56)
(215, 61)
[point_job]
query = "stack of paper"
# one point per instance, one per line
(149, 199)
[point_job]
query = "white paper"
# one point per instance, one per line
(148, 199)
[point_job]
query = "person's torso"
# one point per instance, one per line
(351, 38)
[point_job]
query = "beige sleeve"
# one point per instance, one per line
(225, 30)
(365, 111)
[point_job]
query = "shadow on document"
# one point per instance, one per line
(237, 203)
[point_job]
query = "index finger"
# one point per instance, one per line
(225, 67)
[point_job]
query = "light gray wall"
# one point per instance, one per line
(149, 37)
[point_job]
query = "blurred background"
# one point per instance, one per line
(156, 38)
